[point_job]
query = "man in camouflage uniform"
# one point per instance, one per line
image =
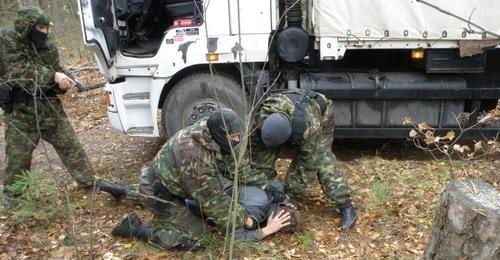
(30, 67)
(302, 121)
(190, 167)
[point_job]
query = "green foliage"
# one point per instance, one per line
(380, 193)
(68, 241)
(137, 249)
(105, 169)
(380, 189)
(38, 200)
(213, 245)
(306, 241)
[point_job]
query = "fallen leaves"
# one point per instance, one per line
(396, 228)
(424, 126)
(461, 148)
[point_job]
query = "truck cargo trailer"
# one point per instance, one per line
(433, 61)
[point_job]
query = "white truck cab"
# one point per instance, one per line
(380, 61)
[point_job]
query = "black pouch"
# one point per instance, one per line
(6, 98)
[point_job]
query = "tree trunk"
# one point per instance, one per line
(467, 223)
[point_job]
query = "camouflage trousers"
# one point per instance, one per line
(173, 220)
(22, 137)
(333, 184)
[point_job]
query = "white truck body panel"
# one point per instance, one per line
(371, 19)
(399, 24)
(183, 47)
(93, 37)
(337, 25)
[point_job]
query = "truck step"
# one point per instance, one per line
(146, 130)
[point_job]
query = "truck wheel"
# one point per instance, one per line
(197, 96)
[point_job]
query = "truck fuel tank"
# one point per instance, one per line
(383, 100)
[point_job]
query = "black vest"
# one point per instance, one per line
(300, 99)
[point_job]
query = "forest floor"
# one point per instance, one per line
(395, 188)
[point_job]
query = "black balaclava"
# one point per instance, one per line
(275, 130)
(38, 38)
(217, 123)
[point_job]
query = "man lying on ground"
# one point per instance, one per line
(190, 166)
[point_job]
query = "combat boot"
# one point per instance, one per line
(348, 216)
(116, 191)
(132, 227)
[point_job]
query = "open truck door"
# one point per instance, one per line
(100, 31)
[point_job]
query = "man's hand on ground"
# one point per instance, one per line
(275, 222)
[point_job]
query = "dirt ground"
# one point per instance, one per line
(395, 188)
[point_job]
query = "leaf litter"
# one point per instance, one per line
(394, 185)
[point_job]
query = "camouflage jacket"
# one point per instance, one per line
(23, 66)
(191, 166)
(264, 158)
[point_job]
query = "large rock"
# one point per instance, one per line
(467, 222)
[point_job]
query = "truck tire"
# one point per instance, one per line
(197, 96)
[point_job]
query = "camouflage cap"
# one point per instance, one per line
(27, 17)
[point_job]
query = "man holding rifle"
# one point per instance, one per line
(31, 78)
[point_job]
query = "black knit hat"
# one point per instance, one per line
(275, 130)
(221, 124)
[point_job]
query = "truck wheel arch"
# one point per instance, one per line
(227, 69)
(196, 96)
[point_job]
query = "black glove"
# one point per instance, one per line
(274, 195)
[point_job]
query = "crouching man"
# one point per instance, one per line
(188, 167)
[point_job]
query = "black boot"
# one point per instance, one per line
(116, 191)
(132, 227)
(143, 232)
(348, 216)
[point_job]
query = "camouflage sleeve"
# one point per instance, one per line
(205, 188)
(248, 175)
(247, 235)
(50, 57)
(274, 104)
(27, 72)
(262, 158)
(307, 157)
(327, 127)
(327, 118)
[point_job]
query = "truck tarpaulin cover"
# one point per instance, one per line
(374, 18)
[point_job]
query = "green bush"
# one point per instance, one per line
(39, 199)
